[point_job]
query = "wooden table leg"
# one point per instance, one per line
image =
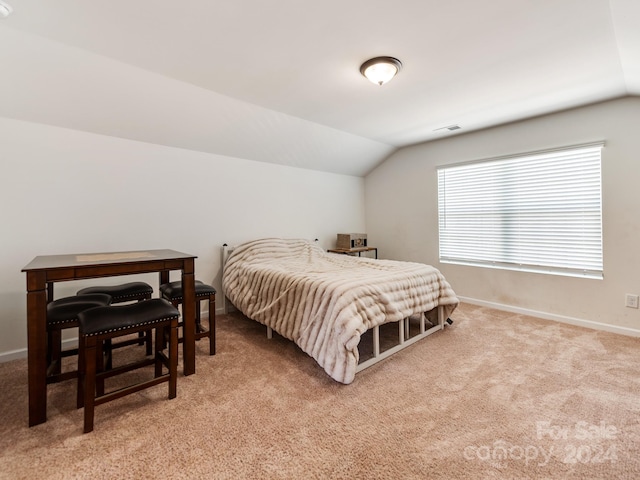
(188, 317)
(164, 277)
(37, 347)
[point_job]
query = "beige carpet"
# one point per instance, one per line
(496, 395)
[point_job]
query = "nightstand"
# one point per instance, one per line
(353, 251)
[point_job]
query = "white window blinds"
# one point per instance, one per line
(540, 212)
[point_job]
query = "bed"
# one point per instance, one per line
(325, 302)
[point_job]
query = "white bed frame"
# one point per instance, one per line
(404, 339)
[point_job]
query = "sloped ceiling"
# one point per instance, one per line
(279, 81)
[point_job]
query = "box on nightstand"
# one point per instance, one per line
(351, 240)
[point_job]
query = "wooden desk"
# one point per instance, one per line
(352, 251)
(44, 271)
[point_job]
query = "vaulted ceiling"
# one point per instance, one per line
(278, 81)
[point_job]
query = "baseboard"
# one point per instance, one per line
(631, 332)
(22, 352)
(13, 355)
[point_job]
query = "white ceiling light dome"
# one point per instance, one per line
(5, 9)
(380, 70)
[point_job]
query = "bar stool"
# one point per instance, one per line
(101, 324)
(126, 292)
(172, 291)
(62, 314)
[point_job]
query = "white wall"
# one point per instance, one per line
(402, 217)
(67, 191)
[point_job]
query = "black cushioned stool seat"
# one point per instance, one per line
(126, 292)
(122, 293)
(61, 314)
(101, 324)
(172, 291)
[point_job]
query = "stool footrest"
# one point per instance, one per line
(61, 377)
(122, 392)
(125, 368)
(126, 343)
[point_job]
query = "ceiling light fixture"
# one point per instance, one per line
(380, 70)
(5, 9)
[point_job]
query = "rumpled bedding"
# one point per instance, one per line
(324, 302)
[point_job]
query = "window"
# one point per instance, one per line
(540, 212)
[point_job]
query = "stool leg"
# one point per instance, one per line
(148, 336)
(55, 351)
(212, 325)
(81, 372)
(89, 383)
(173, 358)
(198, 319)
(144, 338)
(160, 344)
(108, 350)
(100, 363)
(166, 333)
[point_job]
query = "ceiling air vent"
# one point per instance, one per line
(451, 128)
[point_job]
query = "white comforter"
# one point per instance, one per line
(324, 302)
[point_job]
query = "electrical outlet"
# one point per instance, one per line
(631, 301)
